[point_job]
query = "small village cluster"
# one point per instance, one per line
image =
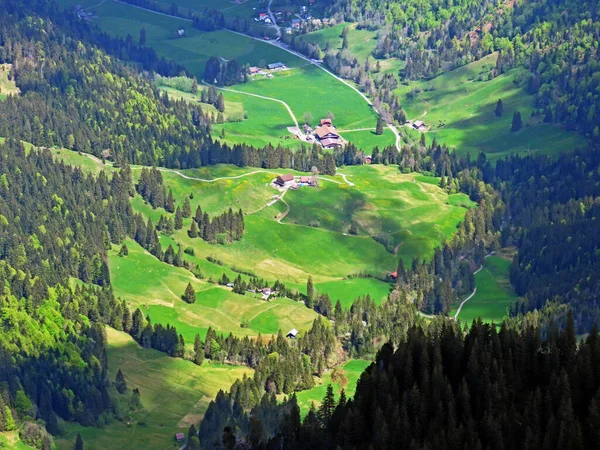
(294, 20)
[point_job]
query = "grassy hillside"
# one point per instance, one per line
(7, 87)
(459, 107)
(415, 215)
(494, 292)
(310, 89)
(10, 440)
(156, 288)
(351, 371)
(174, 394)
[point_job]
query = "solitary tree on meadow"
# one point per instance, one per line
(499, 108)
(517, 123)
(78, 442)
(190, 294)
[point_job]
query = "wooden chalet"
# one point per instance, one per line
(285, 179)
(325, 132)
(331, 143)
(292, 334)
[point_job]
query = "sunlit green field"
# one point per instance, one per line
(494, 292)
(156, 288)
(459, 107)
(351, 370)
(175, 393)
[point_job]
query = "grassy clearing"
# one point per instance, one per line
(174, 394)
(310, 89)
(196, 47)
(367, 139)
(415, 215)
(360, 42)
(411, 209)
(494, 292)
(7, 87)
(351, 370)
(84, 161)
(156, 288)
(459, 106)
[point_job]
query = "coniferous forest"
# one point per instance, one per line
(532, 382)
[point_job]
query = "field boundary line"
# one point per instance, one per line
(259, 96)
(155, 12)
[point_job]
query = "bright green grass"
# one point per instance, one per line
(10, 440)
(84, 161)
(360, 42)
(383, 201)
(367, 139)
(196, 47)
(7, 86)
(234, 111)
(348, 290)
(264, 122)
(175, 393)
(352, 371)
(460, 109)
(494, 293)
(310, 89)
(156, 288)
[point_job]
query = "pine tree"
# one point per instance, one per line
(198, 351)
(120, 382)
(187, 208)
(142, 37)
(310, 292)
(220, 103)
(499, 108)
(170, 202)
(327, 407)
(124, 250)
(190, 294)
(127, 319)
(517, 123)
(178, 219)
(379, 129)
(193, 231)
(78, 442)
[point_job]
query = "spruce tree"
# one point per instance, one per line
(120, 382)
(310, 292)
(198, 351)
(499, 108)
(78, 442)
(517, 123)
(327, 407)
(170, 202)
(124, 250)
(178, 219)
(187, 208)
(379, 128)
(190, 294)
(193, 231)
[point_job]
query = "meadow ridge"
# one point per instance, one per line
(459, 105)
(156, 288)
(174, 394)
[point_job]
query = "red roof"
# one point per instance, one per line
(287, 177)
(327, 122)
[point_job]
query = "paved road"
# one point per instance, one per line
(277, 28)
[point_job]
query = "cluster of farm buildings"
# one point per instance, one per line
(292, 182)
(325, 134)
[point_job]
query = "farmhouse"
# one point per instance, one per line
(285, 180)
(262, 16)
(181, 32)
(292, 334)
(307, 181)
(254, 70)
(325, 132)
(327, 122)
(180, 437)
(368, 159)
(307, 128)
(277, 65)
(331, 143)
(419, 125)
(296, 23)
